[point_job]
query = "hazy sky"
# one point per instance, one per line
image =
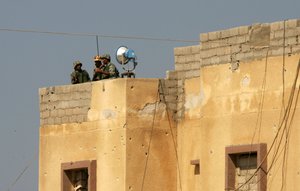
(30, 61)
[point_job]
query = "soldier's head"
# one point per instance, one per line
(97, 60)
(77, 65)
(105, 58)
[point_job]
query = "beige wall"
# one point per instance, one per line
(225, 108)
(119, 125)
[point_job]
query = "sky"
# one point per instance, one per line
(30, 61)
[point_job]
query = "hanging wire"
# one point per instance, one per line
(282, 127)
(22, 172)
(149, 144)
(173, 137)
(99, 35)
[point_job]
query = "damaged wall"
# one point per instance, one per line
(236, 99)
(125, 129)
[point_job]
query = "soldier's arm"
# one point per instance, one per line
(74, 78)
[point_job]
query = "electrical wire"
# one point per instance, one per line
(22, 173)
(149, 144)
(173, 137)
(281, 127)
(99, 35)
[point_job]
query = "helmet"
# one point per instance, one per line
(105, 56)
(97, 58)
(77, 62)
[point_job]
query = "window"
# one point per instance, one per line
(79, 176)
(241, 165)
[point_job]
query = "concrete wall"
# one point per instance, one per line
(234, 45)
(124, 127)
(232, 92)
(225, 108)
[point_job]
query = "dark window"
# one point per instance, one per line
(246, 167)
(79, 176)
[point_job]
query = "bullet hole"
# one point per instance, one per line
(131, 87)
(110, 130)
(54, 107)
(146, 153)
(211, 152)
(167, 133)
(130, 187)
(130, 138)
(143, 145)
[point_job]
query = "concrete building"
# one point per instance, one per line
(227, 118)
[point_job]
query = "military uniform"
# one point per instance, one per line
(111, 69)
(107, 67)
(97, 75)
(79, 76)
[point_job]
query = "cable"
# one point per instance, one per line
(22, 173)
(98, 35)
(285, 117)
(173, 139)
(148, 150)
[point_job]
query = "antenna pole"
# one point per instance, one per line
(97, 45)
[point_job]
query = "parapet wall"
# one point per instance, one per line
(231, 46)
(65, 104)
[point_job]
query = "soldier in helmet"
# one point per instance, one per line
(98, 66)
(108, 69)
(79, 75)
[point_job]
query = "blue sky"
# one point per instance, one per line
(30, 60)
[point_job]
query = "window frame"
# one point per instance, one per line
(260, 150)
(91, 167)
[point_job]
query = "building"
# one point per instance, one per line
(226, 118)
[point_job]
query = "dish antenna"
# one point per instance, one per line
(125, 55)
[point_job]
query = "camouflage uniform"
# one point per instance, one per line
(79, 76)
(110, 68)
(97, 75)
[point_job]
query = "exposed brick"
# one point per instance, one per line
(196, 49)
(179, 67)
(276, 42)
(295, 49)
(276, 26)
(190, 58)
(276, 51)
(243, 30)
(170, 83)
(171, 74)
(182, 50)
(291, 23)
(291, 41)
(225, 59)
(292, 32)
(278, 34)
(214, 35)
(204, 37)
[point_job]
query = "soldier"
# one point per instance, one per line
(98, 65)
(108, 69)
(79, 75)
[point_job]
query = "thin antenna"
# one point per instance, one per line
(97, 45)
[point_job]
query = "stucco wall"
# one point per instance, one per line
(240, 107)
(126, 130)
